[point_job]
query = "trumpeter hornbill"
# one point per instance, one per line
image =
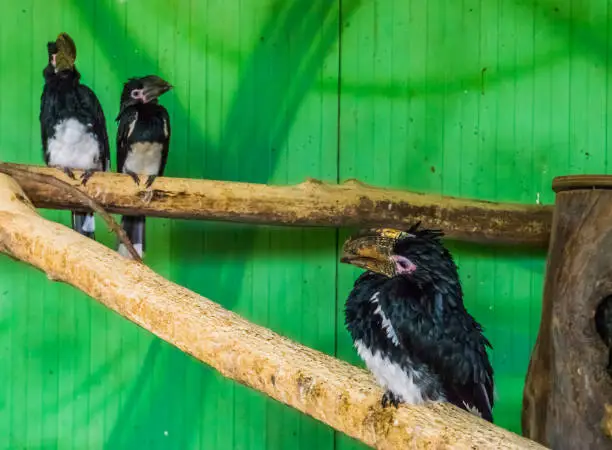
(408, 322)
(72, 123)
(143, 139)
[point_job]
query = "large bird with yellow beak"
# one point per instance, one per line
(408, 322)
(72, 123)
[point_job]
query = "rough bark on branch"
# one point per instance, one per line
(311, 203)
(334, 392)
(75, 192)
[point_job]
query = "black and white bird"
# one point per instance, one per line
(408, 322)
(143, 140)
(72, 123)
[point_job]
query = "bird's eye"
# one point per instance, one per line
(403, 265)
(136, 94)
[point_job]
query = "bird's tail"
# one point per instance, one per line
(134, 227)
(84, 223)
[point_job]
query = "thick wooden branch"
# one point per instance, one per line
(334, 392)
(311, 203)
(84, 198)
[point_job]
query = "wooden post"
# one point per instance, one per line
(568, 392)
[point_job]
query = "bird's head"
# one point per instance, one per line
(143, 90)
(62, 53)
(415, 253)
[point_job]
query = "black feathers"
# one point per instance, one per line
(142, 119)
(72, 124)
(64, 97)
(417, 321)
(143, 140)
(143, 123)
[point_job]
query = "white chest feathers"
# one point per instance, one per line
(391, 376)
(144, 158)
(74, 146)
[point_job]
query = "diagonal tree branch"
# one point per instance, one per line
(334, 392)
(83, 197)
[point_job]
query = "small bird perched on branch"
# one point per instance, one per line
(143, 140)
(408, 322)
(72, 123)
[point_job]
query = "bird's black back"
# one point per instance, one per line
(143, 122)
(434, 331)
(65, 97)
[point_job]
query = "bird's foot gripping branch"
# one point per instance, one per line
(334, 392)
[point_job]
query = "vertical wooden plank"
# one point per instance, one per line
(470, 132)
(303, 135)
(16, 123)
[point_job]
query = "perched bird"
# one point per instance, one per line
(408, 322)
(143, 139)
(72, 123)
(603, 325)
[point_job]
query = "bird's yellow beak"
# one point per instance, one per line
(371, 249)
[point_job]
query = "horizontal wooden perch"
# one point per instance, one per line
(311, 203)
(334, 392)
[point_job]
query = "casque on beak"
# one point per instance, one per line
(154, 87)
(65, 52)
(372, 249)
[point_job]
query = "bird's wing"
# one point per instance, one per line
(126, 120)
(92, 104)
(166, 144)
(474, 397)
(445, 338)
(44, 135)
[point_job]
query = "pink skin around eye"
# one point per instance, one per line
(138, 94)
(403, 265)
(53, 60)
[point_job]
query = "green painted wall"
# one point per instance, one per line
(266, 91)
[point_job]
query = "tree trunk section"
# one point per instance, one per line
(568, 391)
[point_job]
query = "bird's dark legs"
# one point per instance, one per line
(150, 180)
(390, 399)
(68, 171)
(134, 176)
(87, 175)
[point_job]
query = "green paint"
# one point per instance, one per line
(389, 92)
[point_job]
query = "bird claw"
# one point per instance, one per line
(148, 196)
(86, 176)
(69, 172)
(150, 181)
(134, 177)
(390, 399)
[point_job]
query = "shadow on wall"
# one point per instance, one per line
(283, 67)
(295, 39)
